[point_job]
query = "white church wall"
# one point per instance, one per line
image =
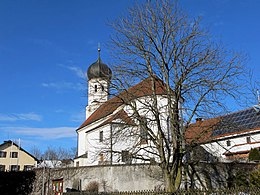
(81, 142)
(95, 145)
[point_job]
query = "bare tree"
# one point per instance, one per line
(57, 155)
(185, 69)
(36, 152)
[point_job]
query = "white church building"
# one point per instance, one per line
(97, 143)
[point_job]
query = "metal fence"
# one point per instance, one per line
(237, 191)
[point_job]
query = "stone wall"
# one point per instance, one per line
(136, 177)
(109, 178)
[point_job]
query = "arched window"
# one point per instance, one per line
(169, 129)
(101, 136)
(102, 87)
(143, 131)
(95, 88)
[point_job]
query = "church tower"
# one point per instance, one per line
(99, 76)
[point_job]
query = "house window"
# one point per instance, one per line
(15, 168)
(77, 164)
(2, 154)
(228, 143)
(28, 167)
(248, 139)
(2, 167)
(95, 88)
(101, 136)
(14, 155)
(143, 131)
(125, 156)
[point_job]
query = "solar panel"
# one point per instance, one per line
(238, 121)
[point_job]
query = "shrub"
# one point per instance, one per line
(92, 186)
(254, 155)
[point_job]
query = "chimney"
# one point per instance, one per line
(198, 120)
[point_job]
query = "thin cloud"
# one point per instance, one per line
(63, 85)
(76, 70)
(78, 117)
(43, 133)
(20, 117)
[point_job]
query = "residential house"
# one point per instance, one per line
(15, 158)
(229, 137)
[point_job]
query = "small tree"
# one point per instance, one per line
(92, 186)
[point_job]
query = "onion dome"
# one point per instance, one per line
(99, 70)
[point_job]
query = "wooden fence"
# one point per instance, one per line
(237, 191)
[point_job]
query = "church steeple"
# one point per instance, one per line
(99, 76)
(99, 69)
(99, 51)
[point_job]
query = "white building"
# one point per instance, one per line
(97, 143)
(229, 137)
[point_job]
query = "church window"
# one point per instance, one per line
(101, 134)
(152, 161)
(143, 130)
(95, 88)
(126, 157)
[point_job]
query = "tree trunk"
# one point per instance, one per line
(172, 183)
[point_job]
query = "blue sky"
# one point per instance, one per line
(46, 47)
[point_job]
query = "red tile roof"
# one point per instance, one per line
(240, 122)
(201, 131)
(119, 115)
(144, 88)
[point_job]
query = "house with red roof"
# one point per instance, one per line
(229, 137)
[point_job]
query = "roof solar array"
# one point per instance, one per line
(238, 121)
